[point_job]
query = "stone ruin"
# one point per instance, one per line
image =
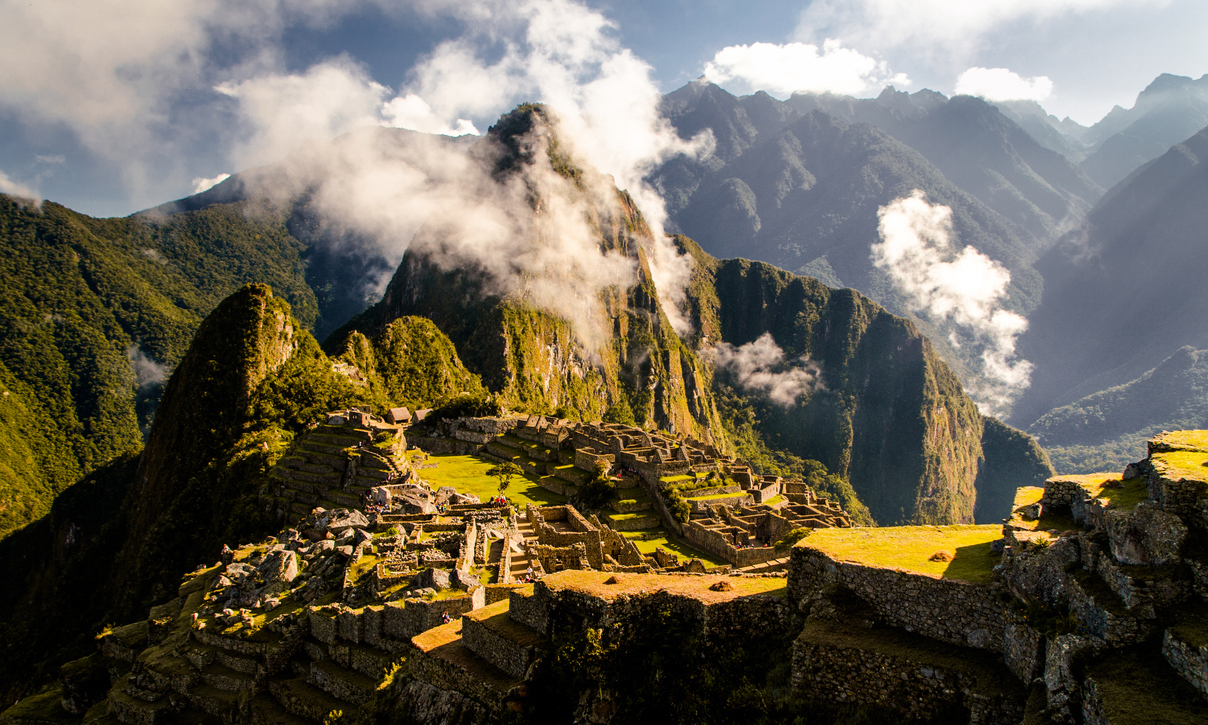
(307, 622)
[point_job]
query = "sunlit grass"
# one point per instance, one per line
(468, 474)
(911, 547)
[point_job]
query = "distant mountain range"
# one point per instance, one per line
(1105, 278)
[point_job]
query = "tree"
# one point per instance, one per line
(504, 472)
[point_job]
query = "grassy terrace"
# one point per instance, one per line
(909, 548)
(696, 587)
(714, 497)
(468, 474)
(1192, 465)
(1185, 439)
(647, 540)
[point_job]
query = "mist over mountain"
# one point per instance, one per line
(808, 192)
(1123, 291)
(1170, 109)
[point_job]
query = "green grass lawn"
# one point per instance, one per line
(468, 474)
(774, 500)
(740, 494)
(657, 537)
(910, 548)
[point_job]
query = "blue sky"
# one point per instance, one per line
(110, 106)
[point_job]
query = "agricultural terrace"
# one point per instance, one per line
(468, 474)
(596, 583)
(911, 548)
(647, 540)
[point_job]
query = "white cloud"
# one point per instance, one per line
(953, 27)
(288, 110)
(558, 52)
(1000, 84)
(20, 191)
(962, 291)
(760, 367)
(411, 111)
(147, 372)
(200, 184)
(782, 69)
(111, 71)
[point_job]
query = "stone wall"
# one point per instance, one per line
(1189, 661)
(912, 683)
(948, 610)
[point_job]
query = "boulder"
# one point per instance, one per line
(464, 580)
(279, 567)
(360, 536)
(431, 579)
(443, 493)
(462, 498)
(1147, 535)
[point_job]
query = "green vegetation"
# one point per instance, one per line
(469, 474)
(505, 472)
(740, 416)
(791, 538)
(911, 548)
(97, 312)
(598, 490)
(1188, 464)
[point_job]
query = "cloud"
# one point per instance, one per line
(22, 192)
(411, 111)
(147, 372)
(200, 184)
(783, 69)
(1000, 84)
(115, 72)
(760, 367)
(558, 52)
(962, 290)
(946, 27)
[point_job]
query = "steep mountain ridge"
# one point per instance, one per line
(120, 538)
(1123, 291)
(94, 312)
(1168, 110)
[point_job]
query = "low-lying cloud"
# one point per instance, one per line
(21, 192)
(1001, 84)
(784, 69)
(386, 186)
(147, 372)
(761, 367)
(961, 290)
(200, 184)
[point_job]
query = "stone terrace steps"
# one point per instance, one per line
(224, 678)
(767, 566)
(265, 710)
(445, 644)
(223, 704)
(299, 697)
(495, 637)
(341, 682)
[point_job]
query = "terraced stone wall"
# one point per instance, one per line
(948, 610)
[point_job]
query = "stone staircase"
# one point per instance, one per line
(520, 560)
(488, 652)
